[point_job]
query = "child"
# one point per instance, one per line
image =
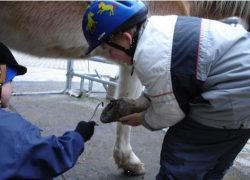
(25, 154)
(196, 75)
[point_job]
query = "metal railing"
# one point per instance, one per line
(70, 73)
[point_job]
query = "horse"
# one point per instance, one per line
(53, 29)
(205, 9)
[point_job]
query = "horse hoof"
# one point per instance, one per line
(137, 171)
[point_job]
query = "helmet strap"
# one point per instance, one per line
(117, 46)
(2, 79)
(131, 50)
(135, 39)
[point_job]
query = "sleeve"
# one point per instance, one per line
(163, 112)
(50, 156)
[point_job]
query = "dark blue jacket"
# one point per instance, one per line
(25, 154)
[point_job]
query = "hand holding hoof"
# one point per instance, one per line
(122, 107)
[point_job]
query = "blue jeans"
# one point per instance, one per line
(192, 151)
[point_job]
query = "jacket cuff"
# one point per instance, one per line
(145, 124)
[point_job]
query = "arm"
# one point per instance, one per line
(163, 112)
(47, 157)
(61, 154)
(162, 115)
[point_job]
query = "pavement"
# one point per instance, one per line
(58, 112)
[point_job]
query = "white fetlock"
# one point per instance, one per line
(129, 162)
(124, 157)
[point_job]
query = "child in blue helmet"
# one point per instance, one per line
(196, 77)
(24, 153)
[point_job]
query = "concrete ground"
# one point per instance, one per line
(59, 112)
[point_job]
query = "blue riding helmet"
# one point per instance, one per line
(6, 57)
(10, 74)
(102, 19)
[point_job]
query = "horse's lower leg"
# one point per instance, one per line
(124, 156)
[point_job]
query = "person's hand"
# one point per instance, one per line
(86, 129)
(131, 119)
(122, 107)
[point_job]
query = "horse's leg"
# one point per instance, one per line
(129, 86)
